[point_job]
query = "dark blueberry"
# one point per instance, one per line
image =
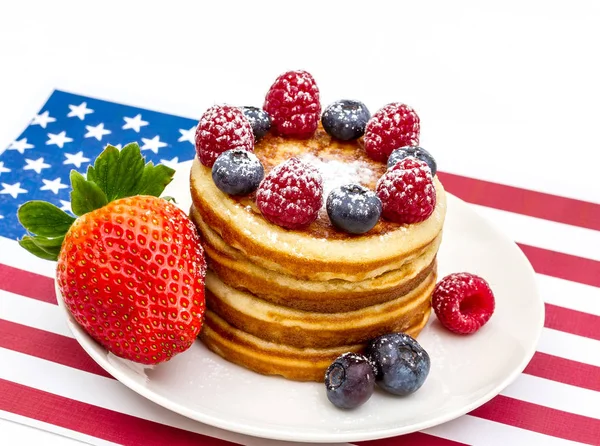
(237, 172)
(401, 364)
(414, 151)
(353, 208)
(346, 119)
(260, 121)
(349, 381)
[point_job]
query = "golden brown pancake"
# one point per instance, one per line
(288, 302)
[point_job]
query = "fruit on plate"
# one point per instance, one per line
(463, 302)
(401, 364)
(349, 381)
(346, 119)
(130, 266)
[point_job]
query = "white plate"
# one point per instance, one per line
(465, 371)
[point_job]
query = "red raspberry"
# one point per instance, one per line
(294, 105)
(395, 125)
(291, 195)
(407, 192)
(463, 302)
(222, 128)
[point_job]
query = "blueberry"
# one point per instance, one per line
(401, 364)
(349, 381)
(237, 172)
(353, 208)
(346, 119)
(260, 121)
(414, 151)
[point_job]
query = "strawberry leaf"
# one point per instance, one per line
(28, 244)
(155, 179)
(121, 174)
(44, 219)
(50, 247)
(117, 173)
(86, 195)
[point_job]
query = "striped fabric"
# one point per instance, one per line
(48, 381)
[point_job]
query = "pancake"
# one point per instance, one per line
(305, 329)
(320, 251)
(330, 296)
(267, 358)
(288, 302)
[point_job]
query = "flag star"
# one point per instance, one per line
(12, 189)
(66, 206)
(36, 165)
(188, 135)
(171, 163)
(1, 217)
(20, 146)
(54, 185)
(3, 169)
(134, 123)
(96, 132)
(77, 159)
(59, 139)
(43, 119)
(79, 110)
(153, 144)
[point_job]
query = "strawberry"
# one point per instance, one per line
(130, 267)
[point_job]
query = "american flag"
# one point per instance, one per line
(48, 381)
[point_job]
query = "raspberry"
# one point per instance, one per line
(395, 125)
(291, 195)
(294, 105)
(222, 128)
(407, 192)
(463, 302)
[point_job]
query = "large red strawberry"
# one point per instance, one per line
(131, 267)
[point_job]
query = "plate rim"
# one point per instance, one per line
(91, 348)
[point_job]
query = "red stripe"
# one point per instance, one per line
(49, 346)
(95, 421)
(544, 420)
(571, 321)
(565, 371)
(523, 201)
(414, 439)
(27, 284)
(563, 266)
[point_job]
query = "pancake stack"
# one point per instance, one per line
(288, 302)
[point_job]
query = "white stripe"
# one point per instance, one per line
(480, 432)
(567, 294)
(12, 254)
(556, 395)
(107, 393)
(546, 234)
(34, 313)
(570, 346)
(28, 433)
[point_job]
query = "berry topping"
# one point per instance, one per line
(401, 364)
(222, 128)
(353, 208)
(463, 302)
(346, 120)
(349, 381)
(294, 105)
(407, 192)
(130, 267)
(260, 121)
(395, 125)
(237, 172)
(416, 152)
(291, 195)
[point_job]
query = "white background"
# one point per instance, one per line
(507, 91)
